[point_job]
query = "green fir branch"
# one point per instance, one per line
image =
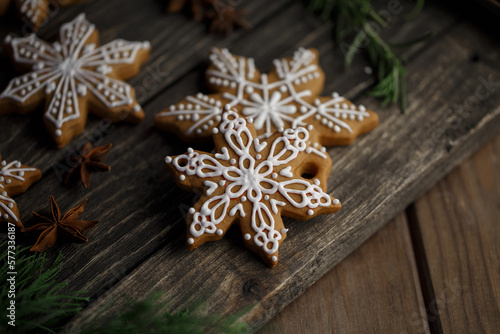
(39, 304)
(419, 5)
(42, 308)
(356, 18)
(144, 317)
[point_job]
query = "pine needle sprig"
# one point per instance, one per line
(357, 18)
(40, 306)
(143, 317)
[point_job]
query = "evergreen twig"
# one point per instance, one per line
(144, 317)
(40, 306)
(358, 17)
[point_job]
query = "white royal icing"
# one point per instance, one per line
(251, 180)
(268, 103)
(9, 171)
(286, 171)
(70, 69)
(32, 9)
(317, 149)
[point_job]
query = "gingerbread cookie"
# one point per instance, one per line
(287, 97)
(15, 178)
(35, 12)
(74, 76)
(252, 183)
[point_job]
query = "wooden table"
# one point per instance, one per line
(433, 268)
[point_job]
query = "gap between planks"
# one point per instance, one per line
(434, 163)
(330, 62)
(364, 292)
(375, 289)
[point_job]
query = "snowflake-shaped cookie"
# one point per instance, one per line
(15, 178)
(253, 183)
(35, 11)
(74, 76)
(287, 97)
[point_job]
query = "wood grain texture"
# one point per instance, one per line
(178, 46)
(132, 158)
(459, 223)
(377, 177)
(374, 290)
(25, 137)
(139, 244)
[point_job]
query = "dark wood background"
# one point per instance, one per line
(139, 245)
(432, 269)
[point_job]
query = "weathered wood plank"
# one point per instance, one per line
(103, 262)
(173, 56)
(131, 158)
(459, 225)
(108, 248)
(377, 177)
(381, 275)
(178, 45)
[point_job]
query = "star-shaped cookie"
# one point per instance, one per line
(35, 11)
(253, 183)
(287, 97)
(15, 178)
(74, 76)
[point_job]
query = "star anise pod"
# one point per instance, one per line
(68, 227)
(223, 15)
(196, 7)
(176, 5)
(225, 18)
(90, 160)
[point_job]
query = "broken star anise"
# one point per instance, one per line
(90, 160)
(68, 227)
(196, 7)
(226, 18)
(222, 14)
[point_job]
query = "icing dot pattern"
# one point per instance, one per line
(266, 185)
(37, 11)
(9, 172)
(283, 102)
(70, 70)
